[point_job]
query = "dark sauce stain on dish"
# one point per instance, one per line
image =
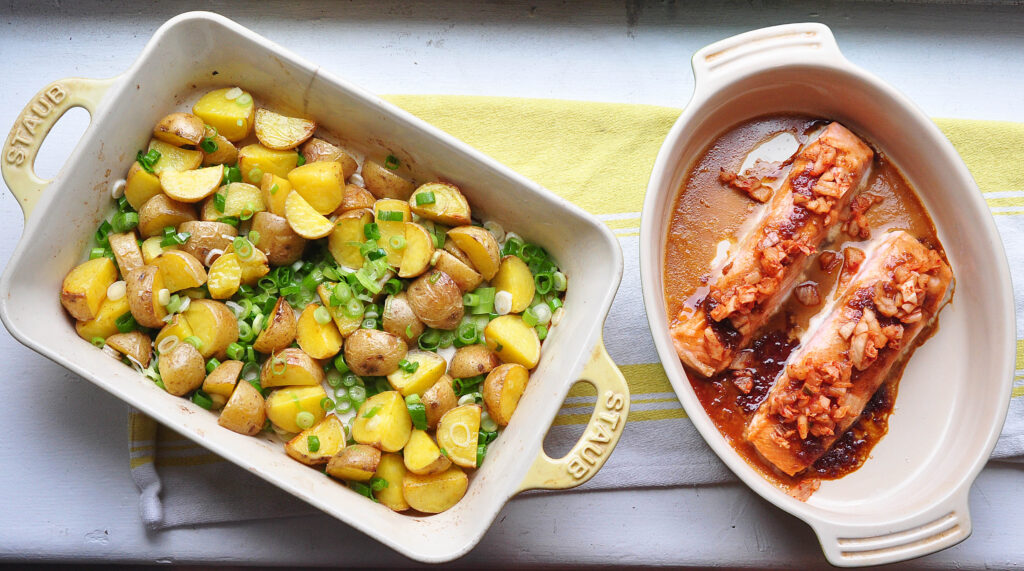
(707, 212)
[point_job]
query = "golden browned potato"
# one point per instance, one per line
(143, 290)
(385, 183)
(280, 132)
(422, 456)
(438, 400)
(274, 191)
(105, 322)
(356, 197)
(178, 327)
(182, 369)
(192, 186)
(224, 153)
(293, 409)
(318, 444)
(213, 323)
(371, 353)
(241, 200)
(277, 239)
(344, 241)
(221, 382)
(383, 422)
(151, 248)
(355, 463)
(480, 246)
(225, 276)
(140, 186)
(254, 266)
(346, 325)
(513, 340)
(174, 158)
(419, 250)
(437, 300)
(160, 212)
(322, 184)
(472, 360)
(280, 329)
(451, 248)
(134, 344)
(385, 211)
(391, 469)
(449, 206)
(228, 110)
(316, 150)
(207, 240)
(180, 129)
(398, 318)
(85, 287)
(464, 275)
(291, 367)
(244, 412)
(429, 367)
(502, 390)
(319, 340)
(255, 160)
(457, 434)
(180, 270)
(435, 493)
(126, 250)
(514, 276)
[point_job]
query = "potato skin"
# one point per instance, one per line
(384, 183)
(279, 332)
(355, 198)
(126, 250)
(472, 360)
(244, 412)
(180, 129)
(316, 150)
(399, 318)
(293, 367)
(437, 303)
(161, 211)
(370, 352)
(277, 239)
(461, 273)
(85, 287)
(438, 400)
(134, 343)
(182, 369)
(204, 237)
(143, 287)
(357, 462)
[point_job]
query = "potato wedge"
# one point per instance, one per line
(480, 246)
(182, 369)
(228, 110)
(277, 239)
(126, 250)
(346, 325)
(222, 380)
(291, 367)
(514, 276)
(465, 276)
(256, 160)
(449, 205)
(192, 186)
(398, 317)
(280, 132)
(319, 340)
(355, 463)
(385, 212)
(513, 340)
(502, 390)
(438, 400)
(245, 411)
(105, 323)
(177, 327)
(180, 129)
(327, 436)
(322, 184)
(457, 434)
(304, 219)
(85, 287)
(134, 344)
(429, 367)
(144, 285)
(316, 150)
(419, 248)
(240, 200)
(371, 353)
(280, 329)
(344, 240)
(422, 456)
(223, 153)
(436, 299)
(435, 493)
(207, 240)
(383, 422)
(174, 158)
(225, 277)
(391, 469)
(151, 249)
(213, 323)
(180, 270)
(285, 405)
(254, 266)
(472, 360)
(160, 212)
(451, 248)
(274, 191)
(140, 186)
(385, 183)
(355, 197)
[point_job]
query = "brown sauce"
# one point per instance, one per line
(707, 212)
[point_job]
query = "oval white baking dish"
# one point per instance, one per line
(910, 497)
(198, 51)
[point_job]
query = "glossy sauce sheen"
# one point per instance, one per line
(707, 212)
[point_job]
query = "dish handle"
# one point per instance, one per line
(34, 123)
(943, 526)
(775, 46)
(599, 438)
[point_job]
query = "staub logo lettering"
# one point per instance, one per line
(25, 131)
(598, 436)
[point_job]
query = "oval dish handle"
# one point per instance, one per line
(34, 123)
(600, 436)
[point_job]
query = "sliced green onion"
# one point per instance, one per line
(99, 253)
(321, 315)
(408, 366)
(245, 332)
(342, 293)
(425, 198)
(434, 277)
(212, 364)
(393, 286)
(554, 303)
(396, 242)
(220, 202)
(481, 451)
(232, 174)
(232, 220)
(428, 340)
(513, 247)
(362, 489)
(124, 221)
(344, 405)
(327, 404)
(560, 282)
(542, 332)
(340, 365)
(369, 323)
(304, 419)
(467, 334)
(372, 412)
(98, 341)
(243, 99)
(377, 484)
(301, 160)
(255, 175)
(470, 299)
(334, 379)
(193, 341)
(353, 309)
(313, 442)
(248, 211)
(202, 399)
(126, 322)
(529, 317)
(543, 282)
(390, 216)
(208, 145)
(376, 254)
(417, 411)
(357, 393)
(391, 162)
(349, 380)
(446, 340)
(371, 231)
(148, 160)
(102, 233)
(236, 351)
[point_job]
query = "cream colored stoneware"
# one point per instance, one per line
(199, 51)
(910, 497)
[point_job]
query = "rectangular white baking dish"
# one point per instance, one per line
(910, 497)
(198, 51)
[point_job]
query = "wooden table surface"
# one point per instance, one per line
(65, 490)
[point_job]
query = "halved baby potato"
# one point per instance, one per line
(347, 236)
(514, 276)
(480, 246)
(304, 219)
(180, 129)
(354, 463)
(192, 186)
(245, 411)
(151, 249)
(174, 158)
(319, 340)
(383, 422)
(140, 186)
(222, 380)
(346, 325)
(513, 340)
(143, 292)
(180, 270)
(422, 455)
(436, 300)
(316, 150)
(291, 367)
(438, 400)
(398, 317)
(224, 153)
(327, 436)
(241, 199)
(502, 390)
(182, 369)
(355, 197)
(162, 211)
(391, 216)
(254, 266)
(419, 248)
(255, 160)
(274, 190)
(392, 470)
(277, 239)
(214, 324)
(280, 132)
(322, 184)
(435, 493)
(284, 406)
(448, 207)
(372, 353)
(207, 239)
(85, 287)
(458, 432)
(429, 367)
(225, 277)
(105, 323)
(384, 182)
(279, 331)
(228, 110)
(472, 360)
(465, 276)
(178, 327)
(126, 250)
(135, 344)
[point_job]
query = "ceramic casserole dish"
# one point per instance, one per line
(196, 52)
(910, 497)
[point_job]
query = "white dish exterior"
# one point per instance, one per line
(176, 66)
(910, 497)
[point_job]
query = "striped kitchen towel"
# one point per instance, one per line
(599, 156)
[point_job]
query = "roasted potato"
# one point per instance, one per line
(279, 332)
(254, 266)
(213, 323)
(502, 390)
(347, 234)
(436, 300)
(464, 275)
(355, 463)
(371, 353)
(291, 367)
(457, 433)
(173, 158)
(429, 367)
(355, 197)
(241, 200)
(397, 317)
(419, 249)
(140, 186)
(280, 132)
(178, 327)
(105, 323)
(228, 110)
(480, 246)
(180, 270)
(182, 369)
(422, 456)
(85, 287)
(328, 437)
(304, 219)
(180, 129)
(472, 360)
(151, 249)
(126, 250)
(134, 344)
(143, 291)
(277, 239)
(322, 184)
(224, 152)
(284, 407)
(255, 160)
(316, 150)
(448, 207)
(513, 340)
(384, 211)
(385, 183)
(435, 493)
(515, 277)
(346, 325)
(244, 412)
(450, 247)
(207, 240)
(391, 469)
(225, 276)
(319, 340)
(438, 400)
(160, 212)
(274, 190)
(383, 422)
(192, 186)
(222, 380)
